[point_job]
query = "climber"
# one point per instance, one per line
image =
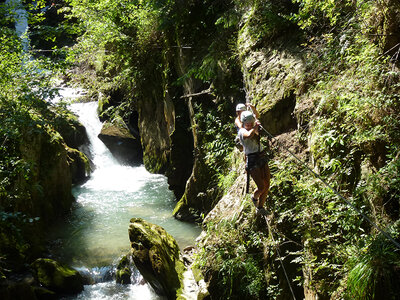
(238, 123)
(256, 161)
(241, 108)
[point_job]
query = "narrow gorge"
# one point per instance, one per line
(150, 166)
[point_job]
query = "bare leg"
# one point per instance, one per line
(258, 176)
(266, 179)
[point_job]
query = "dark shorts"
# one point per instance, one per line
(256, 160)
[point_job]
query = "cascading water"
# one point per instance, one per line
(96, 234)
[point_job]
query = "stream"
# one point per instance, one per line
(95, 235)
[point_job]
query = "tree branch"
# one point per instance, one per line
(207, 91)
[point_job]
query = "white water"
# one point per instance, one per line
(96, 234)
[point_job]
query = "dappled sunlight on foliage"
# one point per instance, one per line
(186, 61)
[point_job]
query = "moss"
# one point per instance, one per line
(181, 205)
(57, 277)
(116, 129)
(157, 256)
(124, 272)
(79, 155)
(154, 163)
(197, 273)
(103, 104)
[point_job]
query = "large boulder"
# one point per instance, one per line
(157, 256)
(57, 277)
(123, 145)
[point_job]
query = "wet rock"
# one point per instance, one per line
(123, 145)
(124, 272)
(79, 166)
(156, 254)
(57, 277)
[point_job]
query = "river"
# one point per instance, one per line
(95, 235)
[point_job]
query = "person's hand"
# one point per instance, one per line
(249, 105)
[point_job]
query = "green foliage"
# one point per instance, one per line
(14, 243)
(23, 111)
(354, 143)
(216, 143)
(234, 255)
(353, 130)
(375, 271)
(322, 15)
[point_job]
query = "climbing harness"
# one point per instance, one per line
(256, 160)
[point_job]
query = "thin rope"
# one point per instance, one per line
(336, 192)
(280, 257)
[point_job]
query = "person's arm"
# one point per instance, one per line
(250, 133)
(253, 109)
(238, 123)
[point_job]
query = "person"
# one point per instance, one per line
(256, 162)
(238, 124)
(240, 108)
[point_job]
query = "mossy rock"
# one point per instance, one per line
(72, 131)
(79, 165)
(157, 256)
(124, 271)
(49, 182)
(57, 277)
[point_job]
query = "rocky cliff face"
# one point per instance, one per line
(48, 189)
(302, 103)
(167, 143)
(54, 166)
(41, 192)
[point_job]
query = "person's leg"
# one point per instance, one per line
(258, 177)
(266, 178)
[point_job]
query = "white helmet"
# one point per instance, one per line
(240, 107)
(247, 117)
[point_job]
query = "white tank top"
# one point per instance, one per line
(250, 145)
